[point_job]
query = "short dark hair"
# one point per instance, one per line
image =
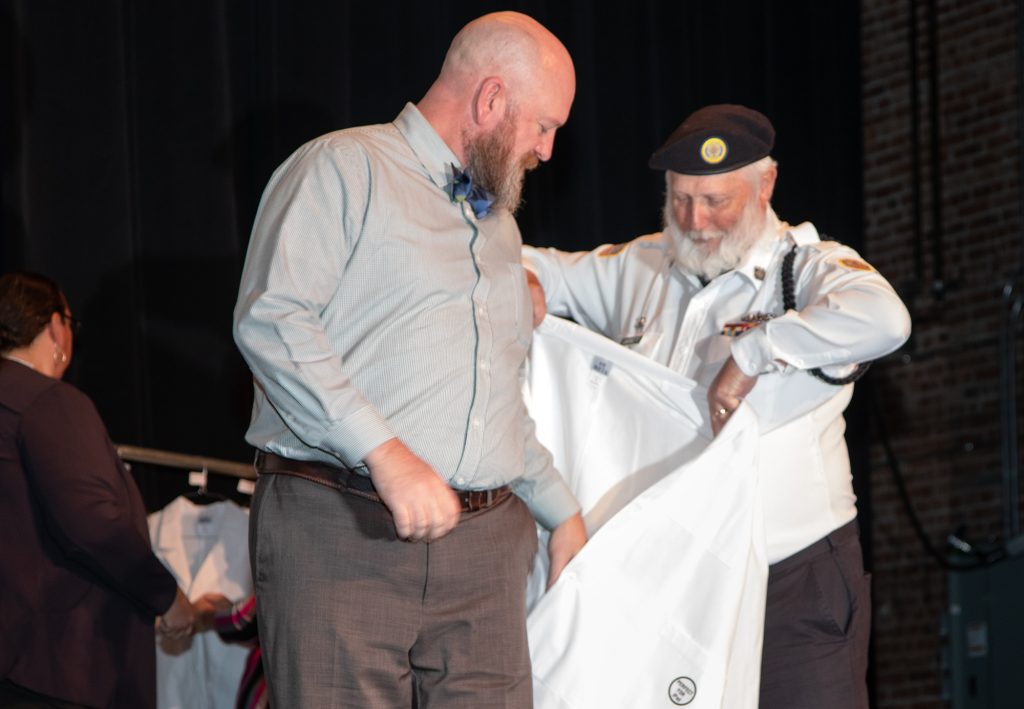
(27, 302)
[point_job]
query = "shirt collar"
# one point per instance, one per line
(760, 255)
(19, 360)
(431, 150)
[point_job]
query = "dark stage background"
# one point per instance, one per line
(137, 138)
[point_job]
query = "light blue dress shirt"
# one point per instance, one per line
(372, 306)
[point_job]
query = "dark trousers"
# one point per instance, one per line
(352, 616)
(817, 627)
(13, 696)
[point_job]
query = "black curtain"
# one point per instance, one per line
(138, 136)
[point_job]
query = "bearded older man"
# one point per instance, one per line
(732, 297)
(384, 313)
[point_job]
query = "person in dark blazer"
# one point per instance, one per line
(80, 587)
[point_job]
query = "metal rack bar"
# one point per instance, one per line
(186, 462)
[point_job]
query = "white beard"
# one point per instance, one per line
(692, 253)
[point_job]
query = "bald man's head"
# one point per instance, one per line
(505, 87)
(507, 44)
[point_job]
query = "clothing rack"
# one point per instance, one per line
(188, 462)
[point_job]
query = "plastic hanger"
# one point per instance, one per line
(201, 496)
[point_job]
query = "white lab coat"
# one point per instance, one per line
(846, 313)
(206, 547)
(667, 598)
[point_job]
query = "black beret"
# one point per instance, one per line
(716, 139)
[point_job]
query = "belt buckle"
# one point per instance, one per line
(477, 500)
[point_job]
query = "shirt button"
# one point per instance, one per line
(480, 310)
(483, 364)
(476, 423)
(460, 481)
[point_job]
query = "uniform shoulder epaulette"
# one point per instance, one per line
(613, 249)
(827, 249)
(648, 241)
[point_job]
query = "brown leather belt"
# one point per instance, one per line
(349, 481)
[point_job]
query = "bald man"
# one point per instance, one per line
(385, 316)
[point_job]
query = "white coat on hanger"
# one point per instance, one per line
(206, 547)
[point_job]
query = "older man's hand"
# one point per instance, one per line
(540, 308)
(727, 392)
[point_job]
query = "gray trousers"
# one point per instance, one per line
(817, 627)
(351, 616)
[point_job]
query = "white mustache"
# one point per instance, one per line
(703, 237)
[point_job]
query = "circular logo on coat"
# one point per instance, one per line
(714, 150)
(682, 691)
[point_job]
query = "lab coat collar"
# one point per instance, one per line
(176, 520)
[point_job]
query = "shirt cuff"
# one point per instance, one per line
(753, 353)
(550, 500)
(356, 435)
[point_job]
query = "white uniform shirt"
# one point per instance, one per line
(666, 600)
(206, 547)
(845, 313)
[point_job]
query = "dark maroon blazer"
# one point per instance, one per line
(79, 584)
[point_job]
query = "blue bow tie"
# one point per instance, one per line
(462, 189)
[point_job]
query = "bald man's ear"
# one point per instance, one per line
(489, 103)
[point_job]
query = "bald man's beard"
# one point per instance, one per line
(693, 253)
(490, 162)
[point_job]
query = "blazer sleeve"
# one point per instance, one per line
(90, 505)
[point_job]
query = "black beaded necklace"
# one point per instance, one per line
(789, 303)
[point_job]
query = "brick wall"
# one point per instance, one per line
(942, 397)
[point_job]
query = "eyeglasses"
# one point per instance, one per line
(74, 323)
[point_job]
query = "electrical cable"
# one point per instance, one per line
(983, 560)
